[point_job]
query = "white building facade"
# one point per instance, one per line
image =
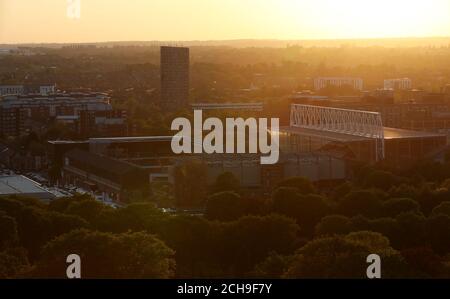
(27, 89)
(395, 84)
(322, 82)
(11, 90)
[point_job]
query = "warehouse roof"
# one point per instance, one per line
(101, 162)
(21, 185)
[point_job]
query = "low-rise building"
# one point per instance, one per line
(102, 174)
(102, 123)
(18, 89)
(323, 82)
(12, 121)
(89, 114)
(110, 162)
(37, 106)
(22, 186)
(23, 160)
(400, 83)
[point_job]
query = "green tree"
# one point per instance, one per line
(285, 201)
(248, 241)
(13, 261)
(425, 262)
(311, 209)
(62, 204)
(307, 210)
(382, 180)
(162, 193)
(8, 233)
(194, 240)
(105, 255)
(429, 197)
(333, 225)
(412, 230)
(88, 209)
(437, 231)
(366, 203)
(395, 206)
(273, 267)
(36, 225)
(345, 257)
(303, 185)
(134, 217)
(388, 227)
(404, 191)
(225, 206)
(341, 191)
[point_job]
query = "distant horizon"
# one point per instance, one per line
(374, 39)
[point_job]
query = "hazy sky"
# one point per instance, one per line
(121, 20)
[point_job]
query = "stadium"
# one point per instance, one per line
(355, 135)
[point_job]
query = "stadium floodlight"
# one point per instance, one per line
(351, 122)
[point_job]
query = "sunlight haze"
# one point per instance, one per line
(23, 21)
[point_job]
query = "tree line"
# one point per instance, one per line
(300, 231)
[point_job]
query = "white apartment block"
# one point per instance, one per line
(57, 104)
(47, 89)
(402, 83)
(27, 89)
(11, 90)
(322, 82)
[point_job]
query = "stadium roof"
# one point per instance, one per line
(394, 133)
(67, 142)
(389, 134)
(130, 139)
(321, 134)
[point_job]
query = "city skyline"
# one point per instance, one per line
(49, 21)
(225, 145)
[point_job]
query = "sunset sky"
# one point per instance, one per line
(124, 20)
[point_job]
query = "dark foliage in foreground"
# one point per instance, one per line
(300, 231)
